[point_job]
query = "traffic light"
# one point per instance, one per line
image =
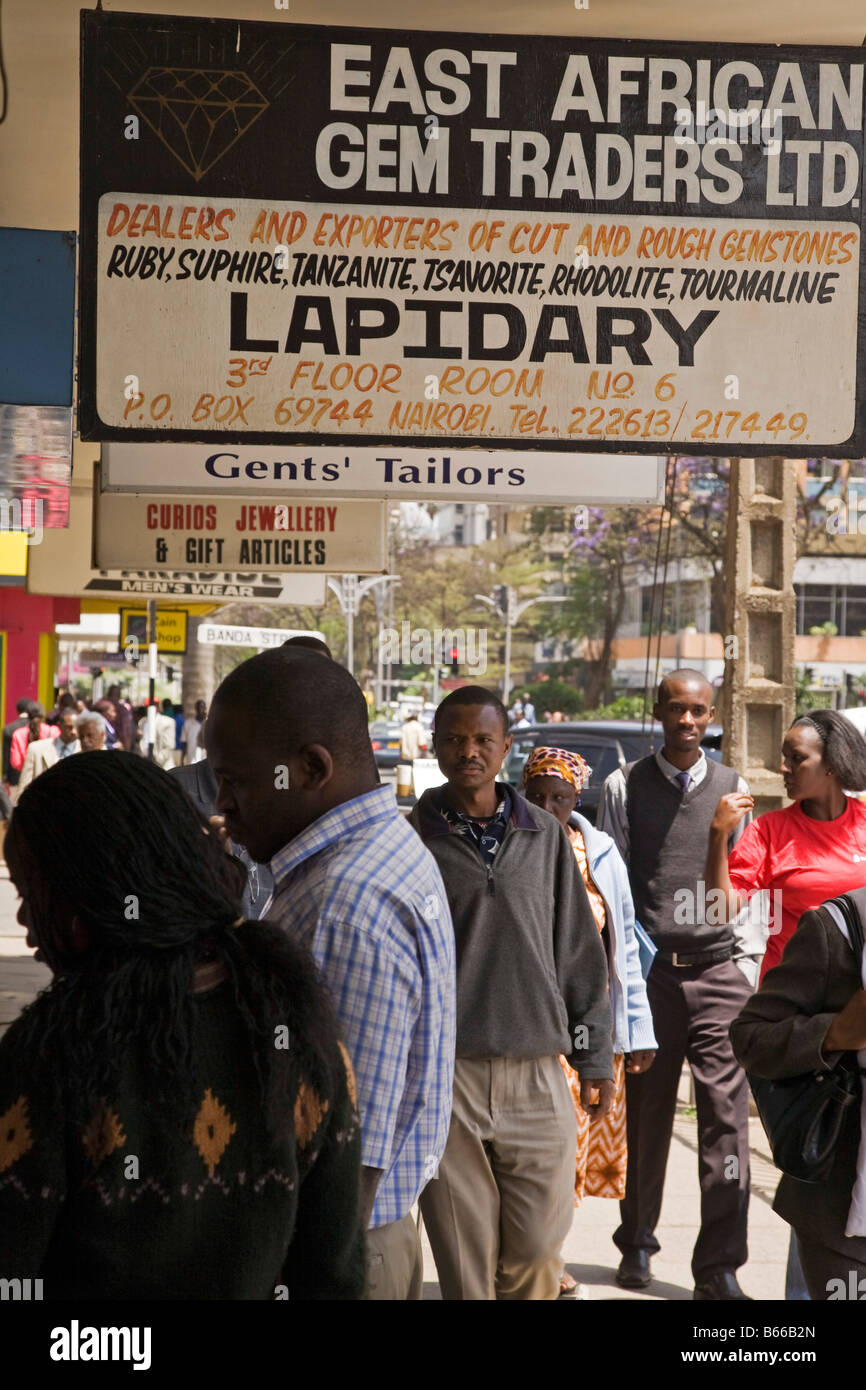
(455, 661)
(500, 596)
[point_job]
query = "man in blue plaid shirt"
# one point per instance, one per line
(298, 786)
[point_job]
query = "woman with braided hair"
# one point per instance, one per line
(176, 1112)
(553, 779)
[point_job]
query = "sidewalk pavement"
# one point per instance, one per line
(589, 1252)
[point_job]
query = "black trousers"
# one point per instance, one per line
(830, 1274)
(692, 1010)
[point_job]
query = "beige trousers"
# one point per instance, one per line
(503, 1200)
(395, 1260)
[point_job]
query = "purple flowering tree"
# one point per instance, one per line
(608, 543)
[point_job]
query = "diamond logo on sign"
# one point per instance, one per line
(198, 115)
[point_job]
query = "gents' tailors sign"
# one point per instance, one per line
(333, 537)
(459, 475)
(355, 236)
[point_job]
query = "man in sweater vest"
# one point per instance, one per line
(658, 811)
(531, 984)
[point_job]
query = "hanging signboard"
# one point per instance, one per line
(171, 625)
(465, 475)
(358, 237)
(62, 564)
(333, 537)
(229, 635)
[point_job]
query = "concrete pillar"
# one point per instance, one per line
(759, 638)
(197, 681)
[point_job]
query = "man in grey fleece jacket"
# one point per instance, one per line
(531, 984)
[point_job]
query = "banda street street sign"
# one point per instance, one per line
(228, 635)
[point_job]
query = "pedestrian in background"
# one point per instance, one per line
(10, 773)
(124, 720)
(516, 711)
(164, 740)
(413, 741)
(531, 984)
(108, 710)
(288, 739)
(66, 700)
(658, 810)
(191, 739)
(35, 729)
(45, 752)
(553, 779)
(92, 731)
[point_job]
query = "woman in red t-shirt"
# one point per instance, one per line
(813, 850)
(810, 851)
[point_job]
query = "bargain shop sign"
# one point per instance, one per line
(504, 242)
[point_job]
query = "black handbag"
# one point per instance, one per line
(802, 1115)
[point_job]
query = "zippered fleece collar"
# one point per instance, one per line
(432, 822)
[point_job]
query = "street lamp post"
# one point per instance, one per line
(349, 589)
(510, 612)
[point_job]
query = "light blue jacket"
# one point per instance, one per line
(629, 1006)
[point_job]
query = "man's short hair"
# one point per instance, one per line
(90, 716)
(472, 695)
(313, 644)
(299, 699)
(685, 674)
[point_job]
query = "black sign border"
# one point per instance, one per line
(92, 428)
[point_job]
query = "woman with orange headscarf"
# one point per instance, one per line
(553, 779)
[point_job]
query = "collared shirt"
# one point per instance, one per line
(64, 749)
(363, 892)
(750, 925)
(486, 833)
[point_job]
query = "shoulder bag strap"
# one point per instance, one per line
(852, 921)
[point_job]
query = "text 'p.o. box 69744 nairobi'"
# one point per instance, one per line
(293, 233)
(195, 533)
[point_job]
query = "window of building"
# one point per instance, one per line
(844, 605)
(684, 606)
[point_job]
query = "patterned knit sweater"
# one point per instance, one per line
(129, 1207)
